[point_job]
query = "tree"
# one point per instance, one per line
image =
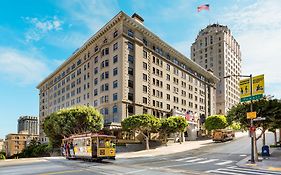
(75, 120)
(270, 109)
(143, 124)
(215, 122)
(174, 124)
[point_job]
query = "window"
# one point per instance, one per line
(168, 67)
(144, 77)
(130, 59)
(168, 77)
(104, 111)
(115, 84)
(96, 70)
(105, 75)
(144, 89)
(96, 59)
(130, 33)
(130, 71)
(105, 63)
(104, 99)
(95, 92)
(168, 107)
(130, 84)
(144, 65)
(104, 87)
(130, 96)
(115, 71)
(115, 46)
(115, 109)
(130, 46)
(144, 100)
(168, 97)
(115, 96)
(115, 33)
(96, 48)
(144, 54)
(96, 81)
(96, 103)
(168, 87)
(115, 58)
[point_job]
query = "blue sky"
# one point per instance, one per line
(37, 36)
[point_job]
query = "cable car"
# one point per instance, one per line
(89, 146)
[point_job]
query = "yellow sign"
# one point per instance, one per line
(258, 85)
(251, 115)
(245, 90)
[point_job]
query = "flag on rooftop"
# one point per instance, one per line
(203, 7)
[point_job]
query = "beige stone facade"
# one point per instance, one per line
(15, 143)
(2, 145)
(215, 48)
(125, 69)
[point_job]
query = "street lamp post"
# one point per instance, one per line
(251, 110)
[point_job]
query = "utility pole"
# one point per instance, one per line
(252, 124)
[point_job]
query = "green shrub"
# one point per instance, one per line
(2, 157)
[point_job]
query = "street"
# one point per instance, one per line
(215, 158)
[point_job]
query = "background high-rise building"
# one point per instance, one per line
(215, 48)
(125, 69)
(28, 124)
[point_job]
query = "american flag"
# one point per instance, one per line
(203, 7)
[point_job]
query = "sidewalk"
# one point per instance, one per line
(173, 148)
(21, 161)
(272, 163)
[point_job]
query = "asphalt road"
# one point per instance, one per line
(216, 158)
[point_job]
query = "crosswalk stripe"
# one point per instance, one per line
(208, 161)
(255, 170)
(224, 163)
(186, 158)
(222, 172)
(194, 160)
(242, 171)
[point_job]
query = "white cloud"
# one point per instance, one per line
(39, 28)
(21, 67)
(93, 14)
(257, 28)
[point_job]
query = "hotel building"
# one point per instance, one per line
(125, 69)
(215, 48)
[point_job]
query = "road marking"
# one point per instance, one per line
(275, 168)
(62, 172)
(132, 172)
(219, 172)
(185, 158)
(208, 161)
(224, 163)
(194, 160)
(255, 170)
(242, 171)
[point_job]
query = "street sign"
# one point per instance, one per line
(257, 88)
(259, 119)
(254, 97)
(251, 115)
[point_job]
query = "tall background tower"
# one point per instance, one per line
(215, 48)
(28, 124)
